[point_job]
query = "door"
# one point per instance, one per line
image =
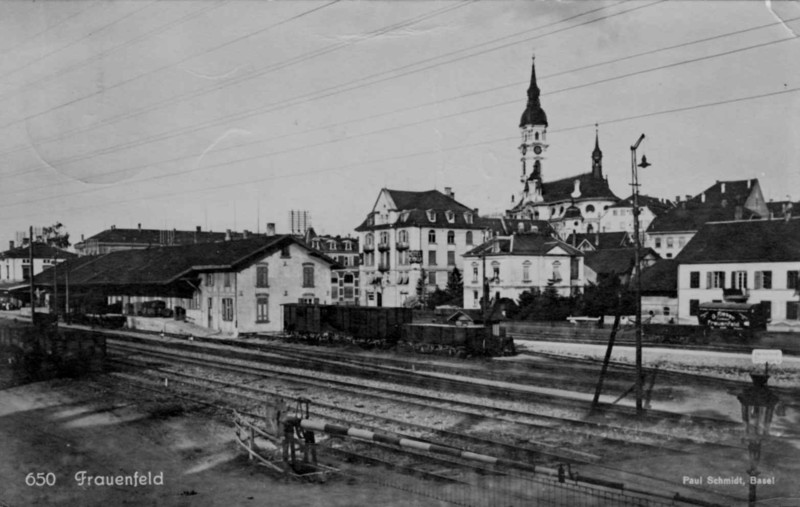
(380, 299)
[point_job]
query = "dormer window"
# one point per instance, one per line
(370, 220)
(332, 245)
(468, 217)
(431, 215)
(348, 246)
(521, 227)
(451, 217)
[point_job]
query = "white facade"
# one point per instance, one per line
(241, 301)
(512, 274)
(668, 244)
(773, 282)
(620, 219)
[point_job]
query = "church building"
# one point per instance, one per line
(571, 205)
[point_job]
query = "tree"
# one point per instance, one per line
(56, 236)
(422, 287)
(455, 288)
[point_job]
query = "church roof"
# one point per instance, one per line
(591, 187)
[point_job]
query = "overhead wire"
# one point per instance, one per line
(108, 88)
(294, 174)
(438, 118)
(309, 96)
(249, 75)
(58, 23)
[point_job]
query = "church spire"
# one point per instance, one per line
(597, 156)
(533, 114)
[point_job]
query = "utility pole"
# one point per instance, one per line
(637, 272)
(30, 274)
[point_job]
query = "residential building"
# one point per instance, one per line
(15, 263)
(345, 277)
(619, 216)
(232, 287)
(409, 235)
(115, 239)
(517, 263)
(600, 241)
(660, 293)
(670, 232)
(571, 205)
(757, 261)
(615, 261)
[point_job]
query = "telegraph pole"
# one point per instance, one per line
(30, 274)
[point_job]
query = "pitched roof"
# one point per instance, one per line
(429, 199)
(690, 216)
(744, 241)
(40, 251)
(779, 208)
(413, 210)
(661, 277)
(657, 205)
(158, 237)
(600, 240)
(164, 265)
(522, 244)
(590, 187)
(614, 260)
(732, 192)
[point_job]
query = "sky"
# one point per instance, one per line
(229, 114)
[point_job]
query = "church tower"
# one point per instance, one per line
(533, 128)
(597, 157)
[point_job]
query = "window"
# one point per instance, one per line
(792, 310)
(262, 275)
(262, 308)
(694, 280)
(432, 278)
(475, 299)
(451, 258)
(209, 279)
(666, 310)
(402, 236)
(526, 271)
(431, 236)
(451, 217)
(694, 307)
(227, 309)
(385, 238)
(556, 271)
(658, 242)
(474, 272)
(285, 251)
(26, 272)
(402, 257)
(763, 279)
(681, 242)
(468, 217)
(308, 275)
(369, 239)
(194, 303)
(348, 246)
(574, 266)
(226, 279)
(670, 242)
(431, 257)
(496, 271)
(715, 280)
(792, 280)
(369, 258)
(451, 238)
(348, 278)
(469, 237)
(589, 208)
(431, 215)
(738, 279)
(767, 306)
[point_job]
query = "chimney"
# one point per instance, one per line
(722, 187)
(270, 229)
(140, 227)
(677, 198)
(113, 227)
(475, 210)
(749, 182)
(688, 197)
(245, 234)
(448, 191)
(82, 237)
(597, 238)
(10, 245)
(197, 229)
(703, 196)
(227, 234)
(788, 215)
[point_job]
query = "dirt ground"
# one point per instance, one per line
(64, 427)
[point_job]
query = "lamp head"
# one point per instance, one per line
(644, 162)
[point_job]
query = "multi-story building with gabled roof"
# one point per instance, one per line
(722, 201)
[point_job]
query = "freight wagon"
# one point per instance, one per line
(387, 328)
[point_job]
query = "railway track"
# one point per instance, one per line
(510, 447)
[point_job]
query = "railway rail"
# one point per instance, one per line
(439, 433)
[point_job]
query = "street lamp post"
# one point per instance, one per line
(758, 405)
(637, 270)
